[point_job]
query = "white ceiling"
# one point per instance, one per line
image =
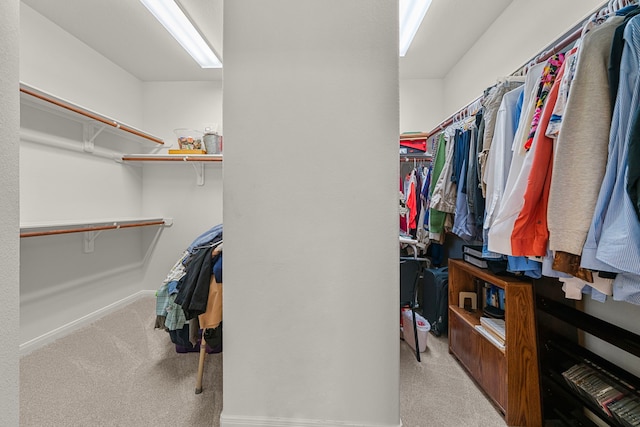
(127, 34)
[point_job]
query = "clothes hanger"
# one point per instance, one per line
(209, 245)
(529, 66)
(588, 25)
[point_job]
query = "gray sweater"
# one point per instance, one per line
(580, 154)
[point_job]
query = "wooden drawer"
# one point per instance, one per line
(493, 372)
(464, 343)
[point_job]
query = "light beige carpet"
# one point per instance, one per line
(119, 371)
(437, 392)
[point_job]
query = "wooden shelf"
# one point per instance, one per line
(196, 160)
(486, 275)
(416, 135)
(172, 158)
(613, 334)
(470, 318)
(45, 101)
(510, 376)
(561, 329)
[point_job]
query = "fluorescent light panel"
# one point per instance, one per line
(179, 26)
(412, 13)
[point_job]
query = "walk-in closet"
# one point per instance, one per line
(336, 158)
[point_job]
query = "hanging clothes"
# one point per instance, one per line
(491, 105)
(613, 242)
(422, 231)
(464, 224)
(410, 185)
(475, 196)
(555, 122)
(504, 226)
(633, 164)
(617, 147)
(500, 232)
(402, 210)
(549, 76)
(617, 46)
(499, 158)
(582, 144)
(438, 194)
(530, 234)
(193, 288)
(499, 161)
(443, 196)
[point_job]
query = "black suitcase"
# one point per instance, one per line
(435, 298)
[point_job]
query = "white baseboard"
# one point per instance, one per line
(249, 421)
(49, 337)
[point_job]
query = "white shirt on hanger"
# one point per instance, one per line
(513, 200)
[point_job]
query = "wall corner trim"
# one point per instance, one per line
(49, 337)
(255, 421)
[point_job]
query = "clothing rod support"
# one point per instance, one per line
(89, 239)
(67, 144)
(90, 133)
(199, 168)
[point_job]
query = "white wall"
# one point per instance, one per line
(170, 189)
(521, 32)
(53, 60)
(170, 105)
(421, 104)
(60, 283)
(311, 270)
(513, 39)
(9, 249)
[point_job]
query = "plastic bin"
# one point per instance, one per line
(407, 330)
(189, 139)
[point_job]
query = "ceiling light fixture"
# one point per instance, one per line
(412, 13)
(176, 22)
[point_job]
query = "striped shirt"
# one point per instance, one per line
(614, 236)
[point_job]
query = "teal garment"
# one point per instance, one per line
(169, 315)
(176, 318)
(162, 297)
(437, 218)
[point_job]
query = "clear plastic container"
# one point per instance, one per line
(423, 328)
(189, 139)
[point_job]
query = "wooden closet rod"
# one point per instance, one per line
(173, 158)
(443, 124)
(556, 46)
(89, 114)
(94, 228)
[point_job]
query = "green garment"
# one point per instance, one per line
(437, 218)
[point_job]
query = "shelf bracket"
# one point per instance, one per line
(199, 168)
(89, 239)
(89, 135)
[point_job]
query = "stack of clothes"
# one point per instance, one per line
(190, 297)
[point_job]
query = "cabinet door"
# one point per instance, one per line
(464, 343)
(493, 376)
